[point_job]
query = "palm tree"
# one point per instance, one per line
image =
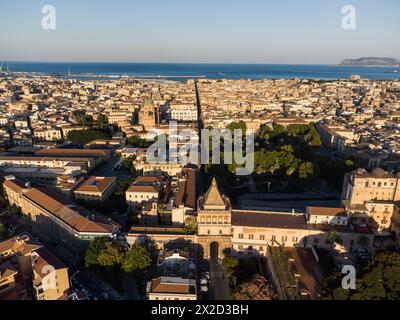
(334, 237)
(363, 241)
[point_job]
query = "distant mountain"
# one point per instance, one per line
(371, 62)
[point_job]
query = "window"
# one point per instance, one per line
(273, 238)
(295, 239)
(240, 235)
(316, 240)
(251, 236)
(284, 239)
(262, 237)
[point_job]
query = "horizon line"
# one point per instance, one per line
(184, 63)
(157, 62)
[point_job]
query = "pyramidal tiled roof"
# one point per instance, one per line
(213, 197)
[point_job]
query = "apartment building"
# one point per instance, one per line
(322, 215)
(98, 155)
(144, 189)
(58, 219)
(50, 276)
(119, 116)
(158, 169)
(395, 223)
(335, 136)
(68, 128)
(86, 163)
(13, 284)
(66, 184)
(180, 111)
(51, 134)
(27, 267)
(171, 288)
(185, 195)
(96, 189)
(373, 195)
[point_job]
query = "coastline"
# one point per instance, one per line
(182, 72)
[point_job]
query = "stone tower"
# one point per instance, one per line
(147, 115)
(214, 222)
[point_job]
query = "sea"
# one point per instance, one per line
(181, 72)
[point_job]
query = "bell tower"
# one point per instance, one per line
(147, 115)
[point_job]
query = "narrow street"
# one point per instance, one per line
(219, 282)
(130, 288)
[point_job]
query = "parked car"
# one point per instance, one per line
(203, 289)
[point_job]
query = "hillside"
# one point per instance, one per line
(371, 62)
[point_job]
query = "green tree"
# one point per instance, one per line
(86, 136)
(378, 281)
(93, 250)
(297, 129)
(111, 255)
(14, 210)
(333, 237)
(363, 241)
(84, 120)
(314, 139)
(136, 258)
(332, 288)
(190, 226)
(136, 142)
(101, 121)
(230, 263)
(265, 131)
(241, 125)
(247, 268)
(3, 230)
(128, 165)
(277, 130)
(122, 185)
(306, 170)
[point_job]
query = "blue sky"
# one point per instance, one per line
(209, 31)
